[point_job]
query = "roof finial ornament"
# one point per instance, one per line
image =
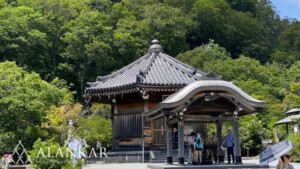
(211, 76)
(195, 71)
(155, 41)
(155, 47)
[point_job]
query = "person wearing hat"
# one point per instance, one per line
(283, 162)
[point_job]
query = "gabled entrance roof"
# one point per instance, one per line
(209, 90)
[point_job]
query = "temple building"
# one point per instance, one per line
(157, 93)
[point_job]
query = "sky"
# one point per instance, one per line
(287, 8)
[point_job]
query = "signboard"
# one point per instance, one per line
(296, 128)
(267, 141)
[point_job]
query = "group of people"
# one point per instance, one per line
(200, 148)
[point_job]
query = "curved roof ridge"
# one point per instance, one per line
(139, 60)
(184, 67)
(209, 84)
(147, 67)
(184, 95)
(142, 72)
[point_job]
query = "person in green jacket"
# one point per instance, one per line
(199, 147)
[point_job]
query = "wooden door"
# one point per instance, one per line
(159, 132)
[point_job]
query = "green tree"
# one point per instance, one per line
(168, 24)
(23, 38)
(204, 54)
(56, 121)
(251, 128)
(95, 128)
(288, 50)
(209, 17)
(25, 99)
(88, 51)
(246, 35)
(293, 98)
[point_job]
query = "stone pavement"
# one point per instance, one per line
(144, 166)
(116, 166)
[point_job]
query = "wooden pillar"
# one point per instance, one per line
(113, 144)
(236, 136)
(180, 140)
(169, 143)
(145, 97)
(220, 141)
(114, 111)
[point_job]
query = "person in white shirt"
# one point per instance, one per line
(191, 146)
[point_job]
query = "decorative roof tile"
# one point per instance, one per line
(155, 69)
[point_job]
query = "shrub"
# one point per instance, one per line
(46, 155)
(295, 138)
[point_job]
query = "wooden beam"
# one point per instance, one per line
(237, 102)
(188, 103)
(195, 118)
(172, 121)
(203, 108)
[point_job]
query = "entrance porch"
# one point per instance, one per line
(205, 101)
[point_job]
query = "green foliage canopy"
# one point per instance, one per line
(25, 99)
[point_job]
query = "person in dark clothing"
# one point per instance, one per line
(213, 147)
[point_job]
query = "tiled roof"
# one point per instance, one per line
(293, 111)
(155, 69)
(182, 97)
(289, 119)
